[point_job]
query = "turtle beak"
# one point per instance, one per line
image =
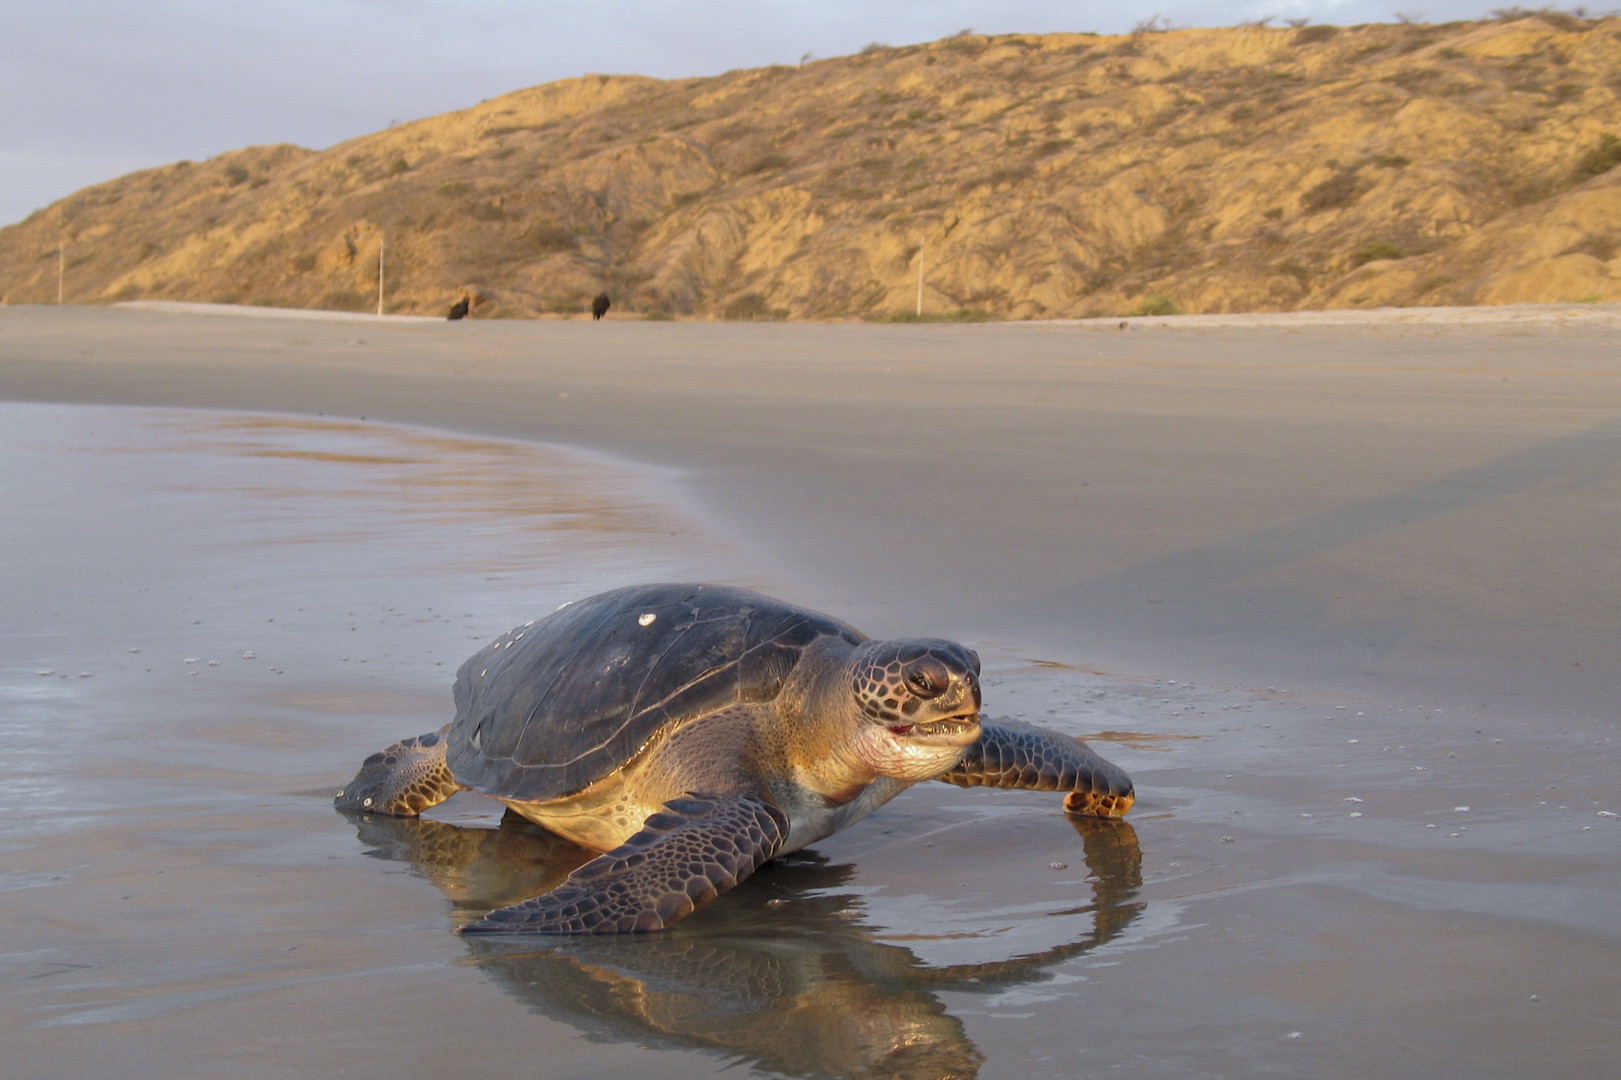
(961, 729)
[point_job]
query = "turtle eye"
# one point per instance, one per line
(928, 680)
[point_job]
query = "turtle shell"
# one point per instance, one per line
(552, 706)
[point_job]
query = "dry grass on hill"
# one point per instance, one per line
(1248, 169)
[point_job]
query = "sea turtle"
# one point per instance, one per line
(692, 732)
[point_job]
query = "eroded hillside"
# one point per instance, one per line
(1248, 169)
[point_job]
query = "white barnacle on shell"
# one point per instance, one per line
(646, 620)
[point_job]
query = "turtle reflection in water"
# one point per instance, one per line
(791, 981)
(693, 732)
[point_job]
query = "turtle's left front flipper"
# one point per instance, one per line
(1014, 754)
(687, 854)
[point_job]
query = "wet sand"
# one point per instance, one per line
(1272, 569)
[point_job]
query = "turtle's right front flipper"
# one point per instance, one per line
(1014, 754)
(403, 780)
(687, 854)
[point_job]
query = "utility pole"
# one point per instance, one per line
(61, 266)
(382, 246)
(921, 249)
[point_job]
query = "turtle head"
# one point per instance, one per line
(919, 704)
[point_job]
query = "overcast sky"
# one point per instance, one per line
(92, 89)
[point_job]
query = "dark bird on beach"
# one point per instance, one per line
(599, 306)
(458, 310)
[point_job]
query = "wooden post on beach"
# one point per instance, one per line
(921, 248)
(382, 246)
(61, 266)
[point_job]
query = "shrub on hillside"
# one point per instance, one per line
(1602, 247)
(1341, 189)
(1374, 250)
(1157, 304)
(1605, 156)
(768, 163)
(550, 236)
(344, 300)
(750, 307)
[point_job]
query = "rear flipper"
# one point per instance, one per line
(1013, 754)
(403, 780)
(687, 854)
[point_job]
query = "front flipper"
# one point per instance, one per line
(687, 854)
(1013, 754)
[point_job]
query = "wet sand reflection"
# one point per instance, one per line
(782, 974)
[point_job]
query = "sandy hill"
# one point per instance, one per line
(1258, 169)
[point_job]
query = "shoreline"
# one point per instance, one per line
(1524, 315)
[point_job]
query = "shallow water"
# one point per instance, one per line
(209, 618)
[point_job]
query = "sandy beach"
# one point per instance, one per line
(1343, 596)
